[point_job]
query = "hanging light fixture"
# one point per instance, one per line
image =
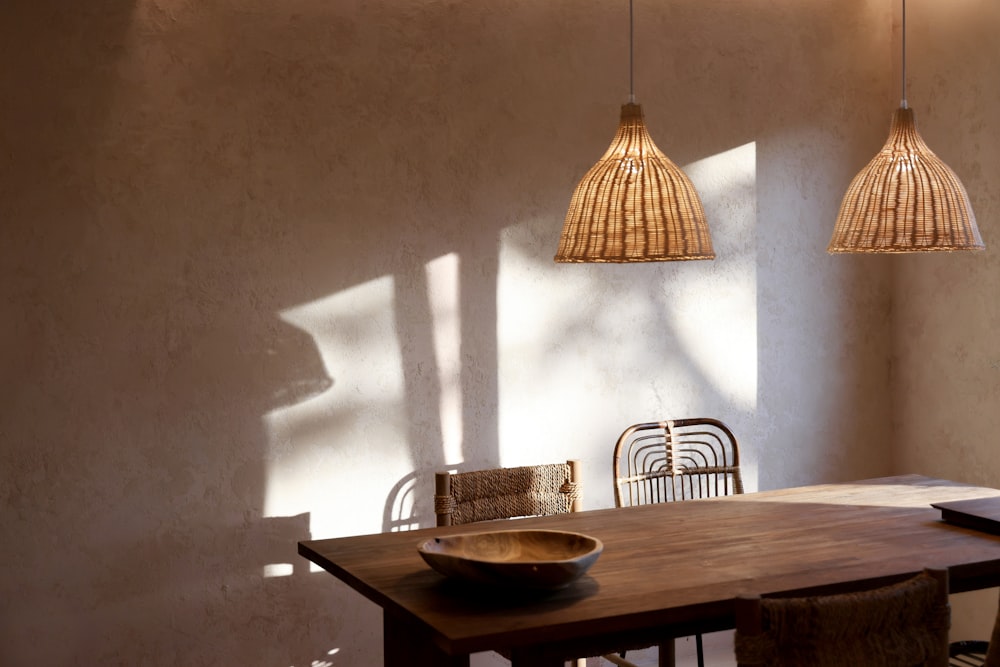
(634, 205)
(906, 199)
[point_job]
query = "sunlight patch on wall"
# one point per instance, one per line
(596, 347)
(717, 318)
(443, 290)
(278, 570)
(324, 452)
(347, 455)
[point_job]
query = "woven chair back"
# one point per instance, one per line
(901, 625)
(678, 459)
(506, 493)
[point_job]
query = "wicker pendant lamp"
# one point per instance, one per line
(634, 205)
(906, 199)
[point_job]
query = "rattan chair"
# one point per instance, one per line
(679, 459)
(993, 647)
(977, 653)
(507, 493)
(900, 625)
(970, 653)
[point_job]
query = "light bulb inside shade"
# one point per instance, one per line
(634, 205)
(905, 200)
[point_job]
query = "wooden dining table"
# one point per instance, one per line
(667, 570)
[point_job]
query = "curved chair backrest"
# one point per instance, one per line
(678, 459)
(505, 493)
(900, 625)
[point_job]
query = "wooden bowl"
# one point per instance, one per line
(529, 559)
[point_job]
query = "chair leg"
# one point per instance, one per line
(700, 649)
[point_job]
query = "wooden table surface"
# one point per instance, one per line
(667, 570)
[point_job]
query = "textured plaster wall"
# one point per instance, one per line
(946, 361)
(264, 267)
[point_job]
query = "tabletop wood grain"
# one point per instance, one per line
(670, 569)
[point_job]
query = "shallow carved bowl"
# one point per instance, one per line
(531, 559)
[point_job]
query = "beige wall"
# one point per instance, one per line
(264, 267)
(946, 354)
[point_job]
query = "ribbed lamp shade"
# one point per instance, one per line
(634, 205)
(905, 200)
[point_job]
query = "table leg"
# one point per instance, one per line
(405, 646)
(666, 654)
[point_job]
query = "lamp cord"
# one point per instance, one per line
(904, 105)
(631, 55)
